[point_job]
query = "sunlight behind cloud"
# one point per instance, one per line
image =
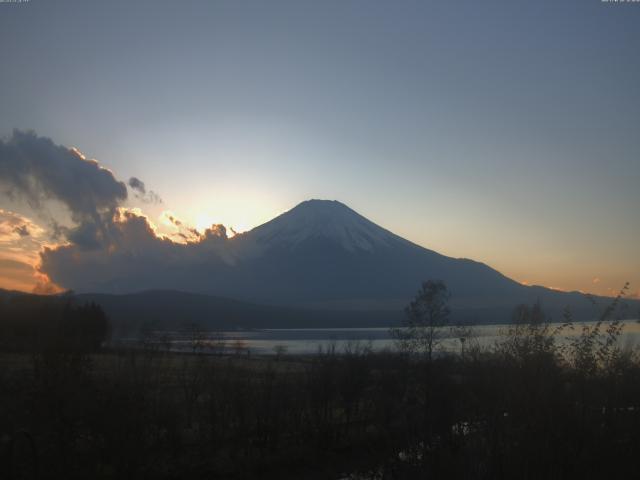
(204, 221)
(240, 211)
(20, 242)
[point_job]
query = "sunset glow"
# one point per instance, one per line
(469, 144)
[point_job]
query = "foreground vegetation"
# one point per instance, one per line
(525, 408)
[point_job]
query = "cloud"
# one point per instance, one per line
(16, 275)
(22, 230)
(20, 243)
(138, 258)
(7, 265)
(105, 247)
(140, 191)
(19, 236)
(138, 185)
(35, 169)
(184, 232)
(46, 287)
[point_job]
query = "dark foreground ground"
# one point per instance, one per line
(520, 411)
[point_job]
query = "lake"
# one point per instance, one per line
(310, 340)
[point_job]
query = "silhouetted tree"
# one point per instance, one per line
(464, 333)
(32, 322)
(427, 313)
(530, 334)
(597, 344)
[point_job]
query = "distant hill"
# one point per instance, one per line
(168, 310)
(173, 310)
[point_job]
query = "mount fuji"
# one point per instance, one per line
(323, 256)
(322, 253)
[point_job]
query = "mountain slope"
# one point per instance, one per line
(322, 252)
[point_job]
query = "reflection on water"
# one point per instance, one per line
(310, 340)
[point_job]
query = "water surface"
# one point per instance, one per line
(307, 341)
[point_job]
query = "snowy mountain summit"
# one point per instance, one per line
(323, 220)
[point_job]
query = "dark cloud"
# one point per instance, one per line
(140, 191)
(215, 232)
(138, 185)
(22, 230)
(108, 247)
(36, 169)
(174, 220)
(137, 257)
(153, 197)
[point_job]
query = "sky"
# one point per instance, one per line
(502, 131)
